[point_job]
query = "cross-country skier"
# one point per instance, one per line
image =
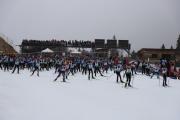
(36, 67)
(97, 68)
(148, 67)
(143, 67)
(67, 69)
(118, 70)
(6, 63)
(84, 67)
(11, 62)
(105, 66)
(61, 70)
(164, 74)
(110, 64)
(133, 68)
(78, 64)
(128, 76)
(90, 70)
(1, 63)
(58, 63)
(72, 68)
(155, 71)
(16, 65)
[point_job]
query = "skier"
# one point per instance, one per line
(67, 69)
(155, 71)
(105, 66)
(128, 76)
(58, 63)
(72, 67)
(78, 64)
(178, 74)
(61, 70)
(143, 67)
(22, 63)
(1, 63)
(118, 70)
(90, 70)
(16, 65)
(148, 67)
(110, 64)
(96, 68)
(11, 63)
(164, 74)
(137, 65)
(84, 67)
(36, 67)
(133, 68)
(6, 63)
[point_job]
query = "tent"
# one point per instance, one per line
(76, 52)
(47, 50)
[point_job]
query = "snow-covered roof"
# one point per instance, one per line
(47, 50)
(78, 50)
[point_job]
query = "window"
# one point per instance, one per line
(154, 56)
(167, 56)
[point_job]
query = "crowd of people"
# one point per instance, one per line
(89, 66)
(70, 43)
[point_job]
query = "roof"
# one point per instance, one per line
(5, 47)
(47, 50)
(156, 49)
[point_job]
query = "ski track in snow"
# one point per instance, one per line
(25, 97)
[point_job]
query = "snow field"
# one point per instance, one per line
(25, 97)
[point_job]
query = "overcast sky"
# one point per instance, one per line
(145, 23)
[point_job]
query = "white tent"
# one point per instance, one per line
(47, 50)
(76, 52)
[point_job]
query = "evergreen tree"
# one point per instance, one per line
(178, 43)
(163, 47)
(171, 47)
(133, 54)
(114, 37)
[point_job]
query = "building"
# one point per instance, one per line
(6, 48)
(154, 55)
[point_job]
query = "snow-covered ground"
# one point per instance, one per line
(25, 97)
